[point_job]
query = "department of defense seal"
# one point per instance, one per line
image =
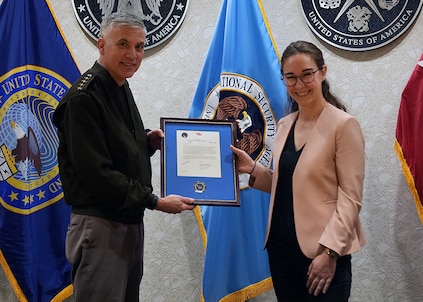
(360, 25)
(161, 18)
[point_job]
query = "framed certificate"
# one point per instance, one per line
(197, 162)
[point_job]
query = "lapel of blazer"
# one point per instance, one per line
(317, 136)
(284, 126)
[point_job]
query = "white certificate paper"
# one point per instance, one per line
(198, 153)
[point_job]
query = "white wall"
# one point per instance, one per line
(390, 266)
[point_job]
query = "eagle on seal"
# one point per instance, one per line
(27, 149)
(235, 108)
(133, 6)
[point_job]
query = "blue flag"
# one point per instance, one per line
(36, 70)
(240, 80)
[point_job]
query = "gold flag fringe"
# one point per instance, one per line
(61, 296)
(12, 280)
(244, 294)
(249, 292)
(409, 178)
(64, 294)
(199, 218)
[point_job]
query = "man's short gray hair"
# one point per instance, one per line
(121, 18)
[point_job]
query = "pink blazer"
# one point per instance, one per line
(327, 183)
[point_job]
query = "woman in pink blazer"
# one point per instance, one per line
(316, 185)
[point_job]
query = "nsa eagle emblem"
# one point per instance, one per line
(161, 18)
(242, 99)
(360, 25)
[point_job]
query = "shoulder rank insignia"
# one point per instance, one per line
(85, 80)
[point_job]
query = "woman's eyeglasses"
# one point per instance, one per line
(306, 77)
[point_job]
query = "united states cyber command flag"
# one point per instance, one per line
(240, 80)
(36, 70)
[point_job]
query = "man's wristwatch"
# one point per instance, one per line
(332, 253)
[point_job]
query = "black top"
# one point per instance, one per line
(282, 230)
(104, 155)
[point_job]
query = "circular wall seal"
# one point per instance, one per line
(161, 18)
(359, 25)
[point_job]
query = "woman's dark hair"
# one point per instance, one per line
(316, 54)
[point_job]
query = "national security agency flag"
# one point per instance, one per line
(241, 81)
(36, 70)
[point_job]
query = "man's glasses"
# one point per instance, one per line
(306, 77)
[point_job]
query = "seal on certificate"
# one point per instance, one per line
(199, 187)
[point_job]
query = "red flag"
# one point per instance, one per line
(409, 138)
